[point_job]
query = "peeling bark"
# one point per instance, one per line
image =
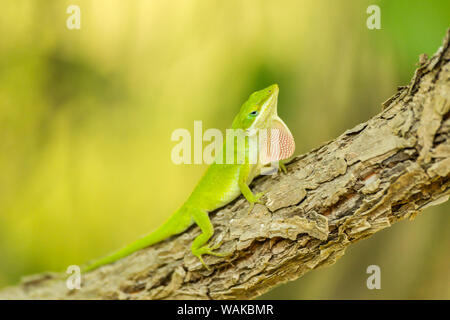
(382, 171)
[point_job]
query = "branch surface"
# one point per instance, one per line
(373, 175)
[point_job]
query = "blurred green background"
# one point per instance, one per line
(86, 118)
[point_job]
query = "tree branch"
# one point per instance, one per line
(381, 171)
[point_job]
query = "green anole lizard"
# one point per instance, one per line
(223, 182)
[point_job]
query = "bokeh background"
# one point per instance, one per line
(86, 118)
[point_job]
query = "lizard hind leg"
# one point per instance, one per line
(200, 244)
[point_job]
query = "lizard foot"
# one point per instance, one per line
(209, 250)
(256, 199)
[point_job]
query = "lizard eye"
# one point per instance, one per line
(254, 113)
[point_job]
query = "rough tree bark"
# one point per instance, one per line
(381, 171)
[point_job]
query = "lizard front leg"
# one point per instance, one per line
(246, 191)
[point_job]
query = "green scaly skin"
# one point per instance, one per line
(221, 184)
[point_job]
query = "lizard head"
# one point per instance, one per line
(258, 110)
(258, 113)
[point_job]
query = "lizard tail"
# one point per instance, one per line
(177, 223)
